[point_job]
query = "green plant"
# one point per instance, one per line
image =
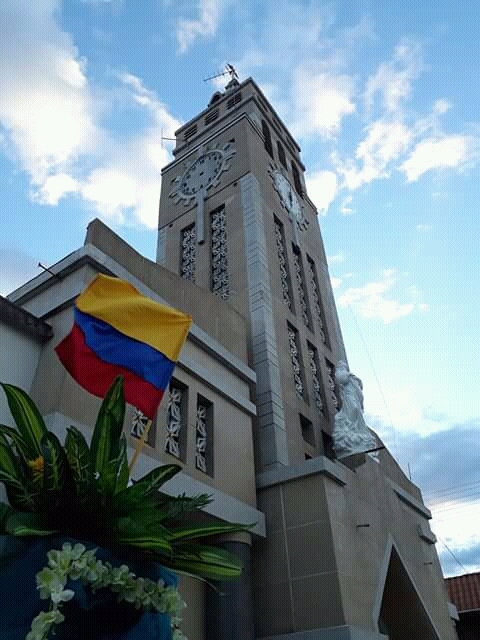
(84, 492)
(76, 563)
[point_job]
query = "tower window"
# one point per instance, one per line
(317, 387)
(296, 179)
(204, 436)
(267, 139)
(302, 292)
(188, 252)
(331, 383)
(235, 99)
(220, 280)
(308, 433)
(295, 357)
(281, 154)
(283, 263)
(191, 131)
(176, 435)
(317, 302)
(138, 425)
(211, 116)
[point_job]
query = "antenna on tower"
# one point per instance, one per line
(162, 138)
(228, 71)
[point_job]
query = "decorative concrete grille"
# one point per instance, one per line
(331, 384)
(189, 253)
(316, 299)
(174, 421)
(220, 279)
(317, 385)
(302, 296)
(139, 423)
(295, 357)
(201, 444)
(282, 261)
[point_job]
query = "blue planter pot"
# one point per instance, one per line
(95, 616)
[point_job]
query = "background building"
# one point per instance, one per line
(347, 552)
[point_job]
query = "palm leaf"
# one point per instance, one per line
(132, 533)
(58, 482)
(105, 444)
(28, 524)
(20, 492)
(129, 498)
(78, 455)
(5, 512)
(211, 563)
(20, 444)
(122, 471)
(27, 417)
(195, 531)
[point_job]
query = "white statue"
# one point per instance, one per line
(350, 433)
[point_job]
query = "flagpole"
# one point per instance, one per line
(139, 446)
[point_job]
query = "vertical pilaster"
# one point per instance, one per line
(271, 435)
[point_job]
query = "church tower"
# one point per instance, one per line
(235, 219)
(349, 554)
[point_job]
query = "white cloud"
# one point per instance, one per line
(384, 143)
(336, 282)
(374, 300)
(45, 104)
(209, 15)
(423, 228)
(336, 258)
(49, 114)
(448, 152)
(345, 208)
(322, 188)
(320, 101)
(393, 80)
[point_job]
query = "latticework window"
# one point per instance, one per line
(331, 383)
(283, 264)
(296, 360)
(188, 258)
(204, 436)
(317, 304)
(302, 292)
(139, 424)
(176, 422)
(316, 378)
(220, 277)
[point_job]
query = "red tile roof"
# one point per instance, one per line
(464, 591)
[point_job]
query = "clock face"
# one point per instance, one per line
(202, 173)
(289, 199)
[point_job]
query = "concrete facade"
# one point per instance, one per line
(340, 551)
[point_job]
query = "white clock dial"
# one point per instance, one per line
(289, 199)
(202, 174)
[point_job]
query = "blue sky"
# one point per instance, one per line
(383, 99)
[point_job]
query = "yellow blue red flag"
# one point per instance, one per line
(119, 331)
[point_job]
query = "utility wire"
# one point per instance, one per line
(377, 380)
(453, 555)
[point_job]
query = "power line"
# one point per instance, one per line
(377, 380)
(453, 555)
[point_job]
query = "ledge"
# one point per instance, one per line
(409, 500)
(345, 632)
(223, 506)
(320, 465)
(24, 321)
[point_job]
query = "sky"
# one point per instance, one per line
(382, 97)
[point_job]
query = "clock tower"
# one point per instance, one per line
(348, 554)
(235, 218)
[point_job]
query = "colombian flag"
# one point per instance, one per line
(119, 331)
